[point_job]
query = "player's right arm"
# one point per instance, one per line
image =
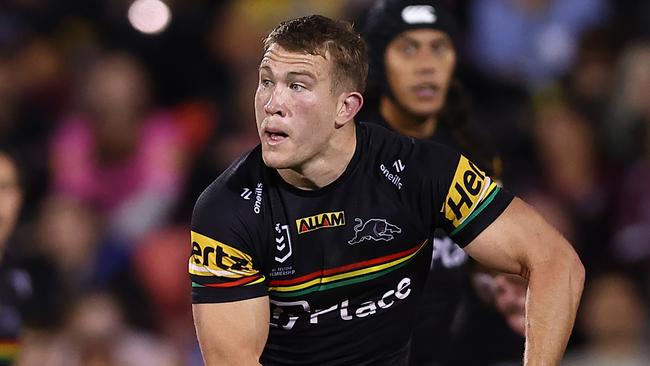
(232, 333)
(229, 296)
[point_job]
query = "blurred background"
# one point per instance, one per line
(121, 112)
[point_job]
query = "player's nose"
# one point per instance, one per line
(275, 104)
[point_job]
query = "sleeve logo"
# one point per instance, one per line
(468, 188)
(213, 258)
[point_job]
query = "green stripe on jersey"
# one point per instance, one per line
(471, 217)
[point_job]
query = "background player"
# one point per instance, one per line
(412, 90)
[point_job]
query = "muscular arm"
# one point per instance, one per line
(521, 242)
(232, 333)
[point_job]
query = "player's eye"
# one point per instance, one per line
(440, 47)
(409, 49)
(266, 83)
(296, 87)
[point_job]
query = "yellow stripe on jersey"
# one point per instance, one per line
(214, 258)
(468, 188)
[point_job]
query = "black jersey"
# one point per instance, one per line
(345, 265)
(432, 336)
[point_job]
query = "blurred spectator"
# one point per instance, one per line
(67, 234)
(11, 199)
(96, 334)
(631, 241)
(614, 319)
(632, 238)
(510, 299)
(167, 289)
(590, 81)
(530, 41)
(629, 113)
(15, 283)
(118, 153)
(32, 94)
(571, 174)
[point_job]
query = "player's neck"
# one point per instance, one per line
(328, 165)
(405, 123)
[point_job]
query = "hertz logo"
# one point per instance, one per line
(467, 190)
(213, 258)
(320, 221)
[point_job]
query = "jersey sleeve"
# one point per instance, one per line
(224, 265)
(465, 198)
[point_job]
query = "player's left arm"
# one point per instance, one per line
(520, 241)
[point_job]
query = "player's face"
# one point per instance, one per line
(419, 66)
(295, 108)
(10, 198)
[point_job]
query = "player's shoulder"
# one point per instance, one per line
(386, 145)
(235, 190)
(380, 139)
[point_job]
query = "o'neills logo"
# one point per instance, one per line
(320, 221)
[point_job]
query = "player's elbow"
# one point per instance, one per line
(571, 265)
(577, 273)
(559, 260)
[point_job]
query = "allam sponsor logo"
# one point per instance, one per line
(320, 221)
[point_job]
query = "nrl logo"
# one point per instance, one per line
(373, 229)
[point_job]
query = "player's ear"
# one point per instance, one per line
(348, 106)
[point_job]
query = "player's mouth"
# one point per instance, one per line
(274, 136)
(426, 90)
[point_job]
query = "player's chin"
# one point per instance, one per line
(276, 159)
(426, 109)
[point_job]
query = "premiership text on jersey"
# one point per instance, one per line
(320, 221)
(470, 191)
(213, 258)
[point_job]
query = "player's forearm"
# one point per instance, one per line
(232, 333)
(232, 358)
(554, 291)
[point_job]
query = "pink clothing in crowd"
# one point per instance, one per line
(146, 182)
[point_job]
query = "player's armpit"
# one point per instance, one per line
(232, 333)
(520, 241)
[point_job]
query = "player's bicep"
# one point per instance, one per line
(232, 333)
(517, 240)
